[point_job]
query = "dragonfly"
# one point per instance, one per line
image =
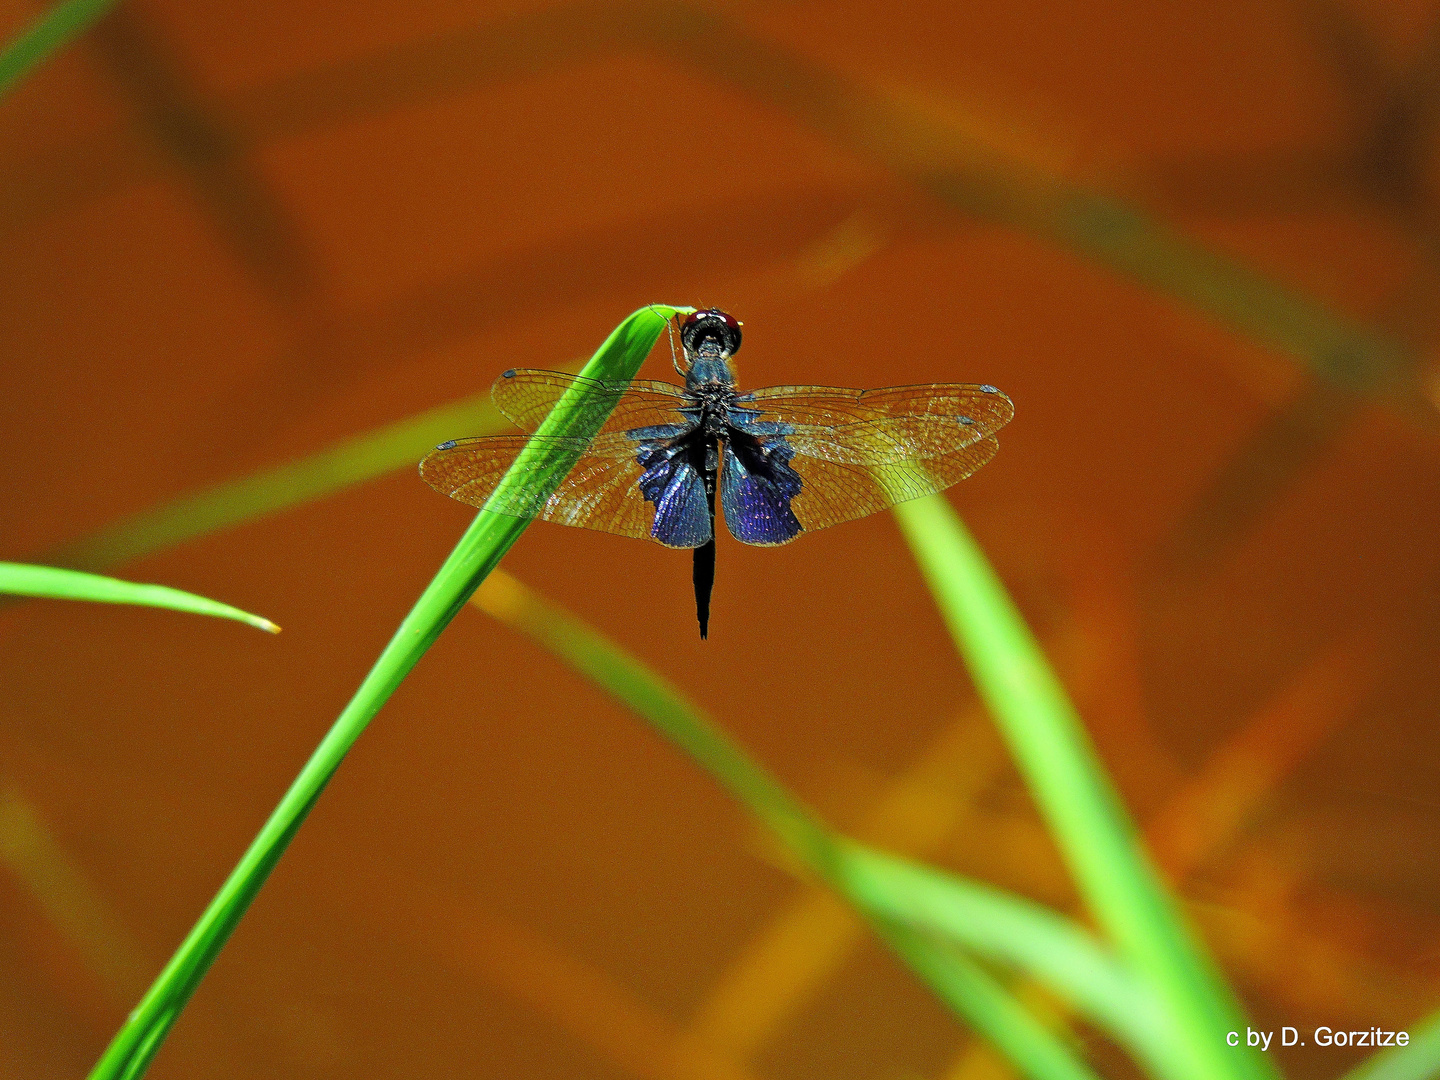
(781, 461)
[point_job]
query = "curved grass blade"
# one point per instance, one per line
(896, 894)
(22, 579)
(46, 35)
(1052, 750)
(1419, 1060)
(1027, 937)
(483, 545)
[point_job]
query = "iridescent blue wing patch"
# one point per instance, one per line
(671, 482)
(757, 485)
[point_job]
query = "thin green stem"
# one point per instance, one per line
(486, 541)
(345, 464)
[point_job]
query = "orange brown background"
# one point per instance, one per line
(1196, 243)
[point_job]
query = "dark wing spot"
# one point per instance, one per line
(508, 373)
(965, 420)
(448, 444)
(988, 389)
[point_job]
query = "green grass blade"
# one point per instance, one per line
(894, 891)
(1052, 750)
(47, 34)
(1419, 1060)
(482, 546)
(21, 579)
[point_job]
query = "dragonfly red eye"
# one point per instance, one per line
(714, 325)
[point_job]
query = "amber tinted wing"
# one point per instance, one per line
(526, 396)
(599, 493)
(858, 452)
(835, 407)
(836, 491)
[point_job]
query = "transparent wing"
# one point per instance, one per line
(526, 396)
(600, 492)
(909, 421)
(836, 491)
(823, 455)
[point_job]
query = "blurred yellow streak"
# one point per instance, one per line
(981, 1061)
(60, 889)
(806, 942)
(846, 246)
(801, 948)
(583, 1000)
(1215, 806)
(1309, 952)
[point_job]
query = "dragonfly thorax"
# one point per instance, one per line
(708, 374)
(710, 404)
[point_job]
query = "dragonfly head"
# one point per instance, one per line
(710, 337)
(710, 331)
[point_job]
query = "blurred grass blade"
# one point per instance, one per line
(886, 888)
(60, 888)
(343, 465)
(1053, 752)
(974, 993)
(1020, 933)
(483, 545)
(1420, 1060)
(47, 34)
(21, 579)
